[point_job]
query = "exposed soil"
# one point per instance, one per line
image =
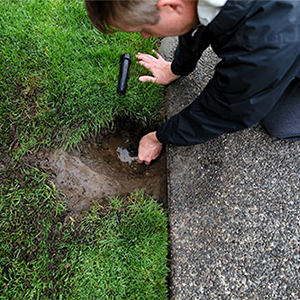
(104, 167)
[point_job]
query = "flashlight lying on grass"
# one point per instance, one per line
(125, 61)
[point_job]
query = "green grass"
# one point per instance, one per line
(116, 252)
(58, 80)
(126, 254)
(59, 75)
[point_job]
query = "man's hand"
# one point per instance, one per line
(160, 68)
(149, 148)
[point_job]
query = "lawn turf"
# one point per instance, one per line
(59, 75)
(113, 252)
(58, 80)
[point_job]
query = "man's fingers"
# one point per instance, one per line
(145, 64)
(146, 58)
(146, 162)
(157, 54)
(149, 148)
(148, 66)
(147, 79)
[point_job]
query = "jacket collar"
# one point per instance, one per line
(230, 15)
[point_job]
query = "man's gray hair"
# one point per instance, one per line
(127, 12)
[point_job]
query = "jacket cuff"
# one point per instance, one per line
(175, 69)
(181, 71)
(158, 136)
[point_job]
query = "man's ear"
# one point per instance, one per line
(176, 5)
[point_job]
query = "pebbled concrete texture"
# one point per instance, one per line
(234, 207)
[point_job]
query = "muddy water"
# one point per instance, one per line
(103, 168)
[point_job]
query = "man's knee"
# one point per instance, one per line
(283, 121)
(284, 133)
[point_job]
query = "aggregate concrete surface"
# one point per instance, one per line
(234, 207)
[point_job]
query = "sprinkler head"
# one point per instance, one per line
(125, 61)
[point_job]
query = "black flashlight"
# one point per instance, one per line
(125, 61)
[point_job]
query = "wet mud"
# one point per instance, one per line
(104, 167)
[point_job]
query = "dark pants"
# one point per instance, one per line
(284, 119)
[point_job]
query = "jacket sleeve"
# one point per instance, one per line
(247, 83)
(190, 47)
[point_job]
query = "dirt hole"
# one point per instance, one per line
(106, 166)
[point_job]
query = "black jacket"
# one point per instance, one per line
(259, 46)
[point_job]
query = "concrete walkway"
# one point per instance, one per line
(234, 206)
